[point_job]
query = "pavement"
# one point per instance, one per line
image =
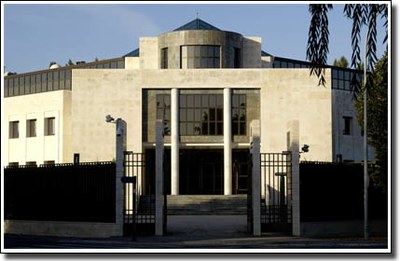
(199, 234)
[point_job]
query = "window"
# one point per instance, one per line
(31, 128)
(31, 164)
(164, 111)
(49, 126)
(236, 59)
(13, 164)
(200, 56)
(347, 125)
(14, 130)
(49, 163)
(164, 58)
(201, 114)
(239, 114)
(345, 79)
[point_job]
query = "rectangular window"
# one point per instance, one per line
(164, 111)
(236, 59)
(13, 164)
(164, 58)
(27, 85)
(239, 114)
(31, 164)
(44, 82)
(56, 82)
(21, 85)
(16, 87)
(49, 162)
(14, 130)
(61, 81)
(201, 114)
(49, 126)
(38, 83)
(67, 80)
(347, 125)
(31, 128)
(6, 88)
(200, 56)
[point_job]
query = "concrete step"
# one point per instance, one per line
(207, 205)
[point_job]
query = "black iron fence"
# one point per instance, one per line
(82, 192)
(250, 167)
(139, 210)
(334, 192)
(276, 170)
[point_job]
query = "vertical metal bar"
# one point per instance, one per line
(365, 142)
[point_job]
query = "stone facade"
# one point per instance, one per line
(274, 96)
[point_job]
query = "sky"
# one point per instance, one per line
(37, 34)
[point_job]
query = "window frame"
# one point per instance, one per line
(31, 133)
(239, 125)
(13, 130)
(50, 131)
(201, 115)
(200, 56)
(164, 111)
(164, 58)
(347, 125)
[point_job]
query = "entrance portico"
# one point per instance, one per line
(227, 139)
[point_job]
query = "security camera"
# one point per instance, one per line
(109, 118)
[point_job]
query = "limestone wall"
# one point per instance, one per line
(41, 147)
(285, 95)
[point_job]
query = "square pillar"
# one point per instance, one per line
(119, 165)
(174, 141)
(227, 142)
(159, 178)
(256, 176)
(293, 145)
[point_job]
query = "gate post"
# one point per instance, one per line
(119, 165)
(159, 178)
(293, 146)
(256, 177)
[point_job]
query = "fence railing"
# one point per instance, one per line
(334, 192)
(276, 170)
(82, 192)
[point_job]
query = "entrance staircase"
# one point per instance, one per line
(207, 205)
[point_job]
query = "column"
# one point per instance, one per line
(227, 142)
(293, 146)
(119, 164)
(255, 176)
(159, 217)
(174, 142)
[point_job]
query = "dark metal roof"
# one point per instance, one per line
(264, 53)
(134, 53)
(197, 24)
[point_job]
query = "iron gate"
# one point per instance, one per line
(139, 210)
(276, 207)
(249, 193)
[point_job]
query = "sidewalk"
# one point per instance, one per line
(199, 233)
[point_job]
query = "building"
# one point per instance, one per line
(208, 85)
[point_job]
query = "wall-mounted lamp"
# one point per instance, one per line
(305, 148)
(109, 119)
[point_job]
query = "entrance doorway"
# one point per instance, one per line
(240, 168)
(201, 172)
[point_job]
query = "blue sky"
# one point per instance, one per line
(36, 34)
